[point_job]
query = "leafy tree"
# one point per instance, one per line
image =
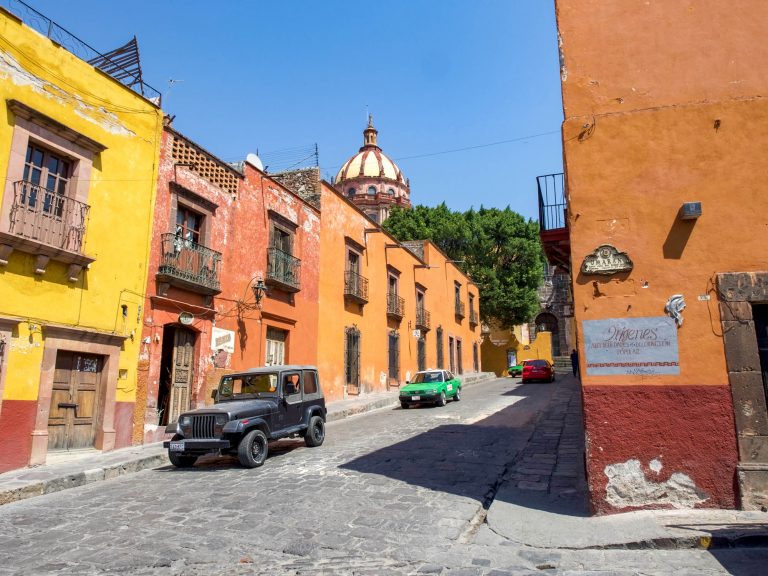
(499, 249)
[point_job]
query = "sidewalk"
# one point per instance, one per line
(78, 468)
(542, 499)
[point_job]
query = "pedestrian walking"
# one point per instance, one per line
(575, 362)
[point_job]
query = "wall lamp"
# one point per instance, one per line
(690, 210)
(259, 290)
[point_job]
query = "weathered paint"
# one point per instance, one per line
(48, 310)
(661, 101)
(669, 430)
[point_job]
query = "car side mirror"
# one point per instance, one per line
(407, 381)
(215, 394)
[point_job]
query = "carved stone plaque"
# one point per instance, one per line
(606, 260)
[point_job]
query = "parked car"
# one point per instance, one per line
(516, 370)
(251, 409)
(430, 387)
(540, 370)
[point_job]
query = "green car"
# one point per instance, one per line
(431, 387)
(516, 370)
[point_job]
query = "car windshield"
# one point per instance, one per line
(248, 386)
(426, 377)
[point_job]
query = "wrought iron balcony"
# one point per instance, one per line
(355, 287)
(553, 219)
(473, 320)
(395, 306)
(283, 270)
(188, 265)
(423, 319)
(459, 309)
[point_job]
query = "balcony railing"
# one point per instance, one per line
(189, 265)
(283, 270)
(552, 204)
(395, 306)
(355, 287)
(473, 320)
(423, 319)
(459, 309)
(46, 217)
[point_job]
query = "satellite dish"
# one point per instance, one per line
(254, 161)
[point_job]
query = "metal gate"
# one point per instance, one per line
(352, 359)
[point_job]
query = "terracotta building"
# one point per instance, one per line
(663, 104)
(371, 180)
(233, 280)
(78, 154)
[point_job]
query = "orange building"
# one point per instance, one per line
(387, 309)
(233, 280)
(663, 104)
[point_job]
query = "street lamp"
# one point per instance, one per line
(259, 290)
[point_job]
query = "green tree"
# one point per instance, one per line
(499, 249)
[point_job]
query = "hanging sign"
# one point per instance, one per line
(223, 340)
(606, 260)
(186, 318)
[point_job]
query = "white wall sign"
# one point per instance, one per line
(639, 346)
(417, 333)
(223, 340)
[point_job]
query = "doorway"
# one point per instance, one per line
(176, 370)
(760, 315)
(75, 397)
(547, 322)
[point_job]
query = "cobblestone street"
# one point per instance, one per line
(391, 492)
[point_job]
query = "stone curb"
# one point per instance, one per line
(687, 543)
(72, 480)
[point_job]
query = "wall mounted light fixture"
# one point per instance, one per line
(690, 210)
(259, 290)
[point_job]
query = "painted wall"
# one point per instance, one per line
(661, 104)
(497, 343)
(119, 188)
(344, 225)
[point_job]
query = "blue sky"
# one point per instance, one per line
(286, 74)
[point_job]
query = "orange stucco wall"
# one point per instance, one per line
(661, 103)
(344, 225)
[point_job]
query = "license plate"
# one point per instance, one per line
(414, 398)
(176, 447)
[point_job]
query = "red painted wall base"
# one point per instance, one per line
(660, 447)
(17, 420)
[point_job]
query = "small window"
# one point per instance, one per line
(189, 224)
(391, 191)
(292, 387)
(371, 190)
(351, 192)
(373, 216)
(310, 383)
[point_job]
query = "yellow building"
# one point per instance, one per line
(78, 150)
(503, 348)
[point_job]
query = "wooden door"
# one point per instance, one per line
(74, 401)
(181, 377)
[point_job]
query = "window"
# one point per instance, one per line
(391, 191)
(46, 169)
(352, 359)
(310, 382)
(440, 360)
(459, 364)
(189, 225)
(275, 353)
(392, 285)
(292, 387)
(451, 355)
(421, 353)
(373, 216)
(457, 294)
(281, 239)
(394, 356)
(353, 261)
(351, 192)
(371, 190)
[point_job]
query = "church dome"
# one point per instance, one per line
(370, 161)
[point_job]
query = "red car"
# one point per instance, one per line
(540, 370)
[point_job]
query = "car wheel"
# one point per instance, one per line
(253, 448)
(442, 401)
(525, 381)
(404, 405)
(457, 396)
(315, 433)
(181, 461)
(553, 377)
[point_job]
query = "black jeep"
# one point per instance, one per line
(251, 409)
